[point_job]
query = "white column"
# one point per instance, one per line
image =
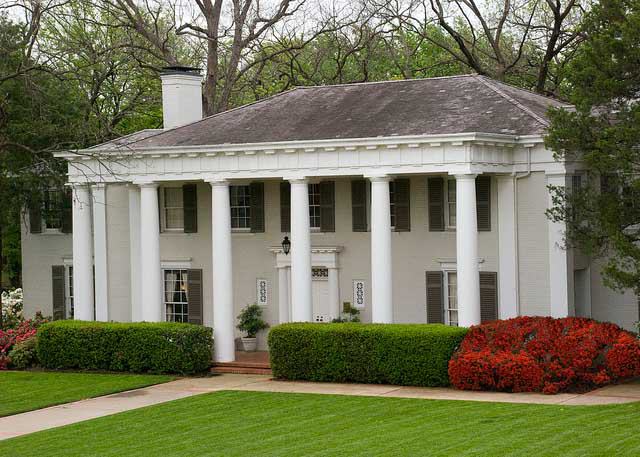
(560, 261)
(507, 249)
(467, 251)
(334, 293)
(302, 304)
(82, 254)
(134, 253)
(283, 295)
(151, 284)
(100, 251)
(381, 275)
(223, 316)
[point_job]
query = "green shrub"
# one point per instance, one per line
(23, 355)
(165, 347)
(401, 354)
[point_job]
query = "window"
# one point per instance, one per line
(392, 203)
(314, 206)
(576, 183)
(172, 209)
(451, 298)
(69, 291)
(451, 203)
(52, 209)
(240, 197)
(176, 295)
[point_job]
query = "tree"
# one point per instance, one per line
(604, 133)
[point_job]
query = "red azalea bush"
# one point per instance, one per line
(10, 337)
(542, 354)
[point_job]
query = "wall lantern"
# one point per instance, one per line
(286, 245)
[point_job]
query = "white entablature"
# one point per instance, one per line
(456, 153)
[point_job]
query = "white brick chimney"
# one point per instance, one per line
(181, 96)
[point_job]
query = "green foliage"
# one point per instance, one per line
(165, 347)
(250, 320)
(24, 355)
(604, 133)
(349, 314)
(401, 354)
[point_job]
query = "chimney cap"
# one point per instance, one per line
(180, 70)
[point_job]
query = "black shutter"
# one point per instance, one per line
(190, 208)
(435, 297)
(256, 190)
(483, 203)
(327, 206)
(160, 203)
(359, 205)
(436, 204)
(402, 205)
(67, 211)
(35, 214)
(285, 207)
(194, 298)
(57, 286)
(488, 296)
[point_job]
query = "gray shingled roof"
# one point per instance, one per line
(457, 104)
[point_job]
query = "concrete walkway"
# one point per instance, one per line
(70, 413)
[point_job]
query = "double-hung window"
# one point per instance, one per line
(240, 197)
(172, 209)
(314, 206)
(451, 298)
(450, 208)
(392, 203)
(52, 209)
(176, 298)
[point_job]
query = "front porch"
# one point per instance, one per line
(245, 363)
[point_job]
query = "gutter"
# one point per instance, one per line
(517, 177)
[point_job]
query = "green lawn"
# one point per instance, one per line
(259, 424)
(27, 390)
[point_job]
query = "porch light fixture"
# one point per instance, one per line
(286, 245)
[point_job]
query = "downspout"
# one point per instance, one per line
(516, 224)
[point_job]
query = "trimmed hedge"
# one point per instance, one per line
(165, 347)
(401, 354)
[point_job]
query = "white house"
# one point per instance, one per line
(415, 201)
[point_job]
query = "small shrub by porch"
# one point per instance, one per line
(165, 347)
(401, 354)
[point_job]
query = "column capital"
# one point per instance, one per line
(297, 179)
(379, 178)
(146, 184)
(217, 181)
(466, 176)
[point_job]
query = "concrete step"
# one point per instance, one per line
(218, 369)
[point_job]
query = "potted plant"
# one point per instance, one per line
(250, 321)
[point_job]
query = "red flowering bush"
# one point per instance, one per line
(9, 338)
(542, 354)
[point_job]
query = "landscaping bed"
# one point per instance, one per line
(401, 354)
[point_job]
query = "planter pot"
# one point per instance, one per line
(249, 344)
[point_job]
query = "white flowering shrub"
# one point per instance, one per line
(12, 308)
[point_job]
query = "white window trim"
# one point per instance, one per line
(163, 211)
(163, 291)
(445, 286)
(176, 264)
(319, 206)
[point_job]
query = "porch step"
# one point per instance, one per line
(245, 363)
(240, 370)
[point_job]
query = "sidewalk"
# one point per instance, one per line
(70, 413)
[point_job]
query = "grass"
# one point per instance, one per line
(22, 391)
(257, 423)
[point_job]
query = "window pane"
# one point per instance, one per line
(314, 206)
(392, 203)
(452, 299)
(174, 218)
(175, 295)
(52, 209)
(451, 202)
(240, 197)
(173, 197)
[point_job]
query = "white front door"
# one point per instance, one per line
(320, 294)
